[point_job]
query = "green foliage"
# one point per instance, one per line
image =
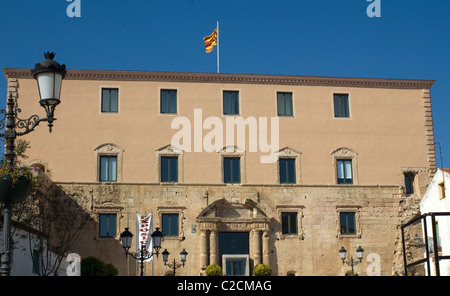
(15, 172)
(213, 270)
(111, 270)
(262, 270)
(93, 266)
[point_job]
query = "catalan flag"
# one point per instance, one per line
(210, 41)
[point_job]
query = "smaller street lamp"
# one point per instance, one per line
(352, 262)
(142, 254)
(174, 265)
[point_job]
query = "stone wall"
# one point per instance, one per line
(206, 210)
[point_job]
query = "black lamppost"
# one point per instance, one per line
(359, 253)
(49, 75)
(174, 265)
(142, 254)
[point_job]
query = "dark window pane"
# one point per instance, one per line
(341, 108)
(284, 104)
(289, 223)
(108, 168)
(231, 102)
(232, 170)
(110, 100)
(344, 171)
(347, 223)
(107, 224)
(169, 169)
(168, 101)
(287, 170)
(36, 261)
(170, 224)
(409, 189)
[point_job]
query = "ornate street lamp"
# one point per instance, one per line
(352, 262)
(142, 254)
(49, 75)
(174, 265)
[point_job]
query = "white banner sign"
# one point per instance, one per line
(144, 226)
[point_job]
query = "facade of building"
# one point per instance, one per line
(238, 169)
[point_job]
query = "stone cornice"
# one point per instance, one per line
(231, 78)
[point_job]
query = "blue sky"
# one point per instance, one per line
(410, 40)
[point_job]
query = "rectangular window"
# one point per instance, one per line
(231, 102)
(169, 169)
(284, 103)
(441, 187)
(168, 101)
(341, 108)
(36, 261)
(110, 100)
(108, 169)
(409, 183)
(347, 223)
(232, 170)
(344, 171)
(170, 224)
(107, 225)
(287, 170)
(289, 223)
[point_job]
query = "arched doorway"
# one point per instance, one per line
(234, 235)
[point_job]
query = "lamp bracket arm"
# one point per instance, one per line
(352, 262)
(28, 125)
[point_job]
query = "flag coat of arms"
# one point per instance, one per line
(210, 41)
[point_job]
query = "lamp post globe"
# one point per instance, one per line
(157, 238)
(183, 255)
(165, 256)
(49, 75)
(360, 253)
(343, 253)
(126, 238)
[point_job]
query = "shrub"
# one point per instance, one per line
(262, 270)
(213, 270)
(93, 266)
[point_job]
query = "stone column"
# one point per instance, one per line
(204, 248)
(265, 246)
(256, 247)
(213, 247)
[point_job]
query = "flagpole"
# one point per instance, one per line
(128, 257)
(153, 261)
(137, 241)
(217, 46)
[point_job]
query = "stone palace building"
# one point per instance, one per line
(238, 169)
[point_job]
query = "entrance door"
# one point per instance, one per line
(233, 252)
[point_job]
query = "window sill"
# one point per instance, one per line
(299, 236)
(173, 238)
(349, 236)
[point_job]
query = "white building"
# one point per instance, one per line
(27, 257)
(435, 202)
